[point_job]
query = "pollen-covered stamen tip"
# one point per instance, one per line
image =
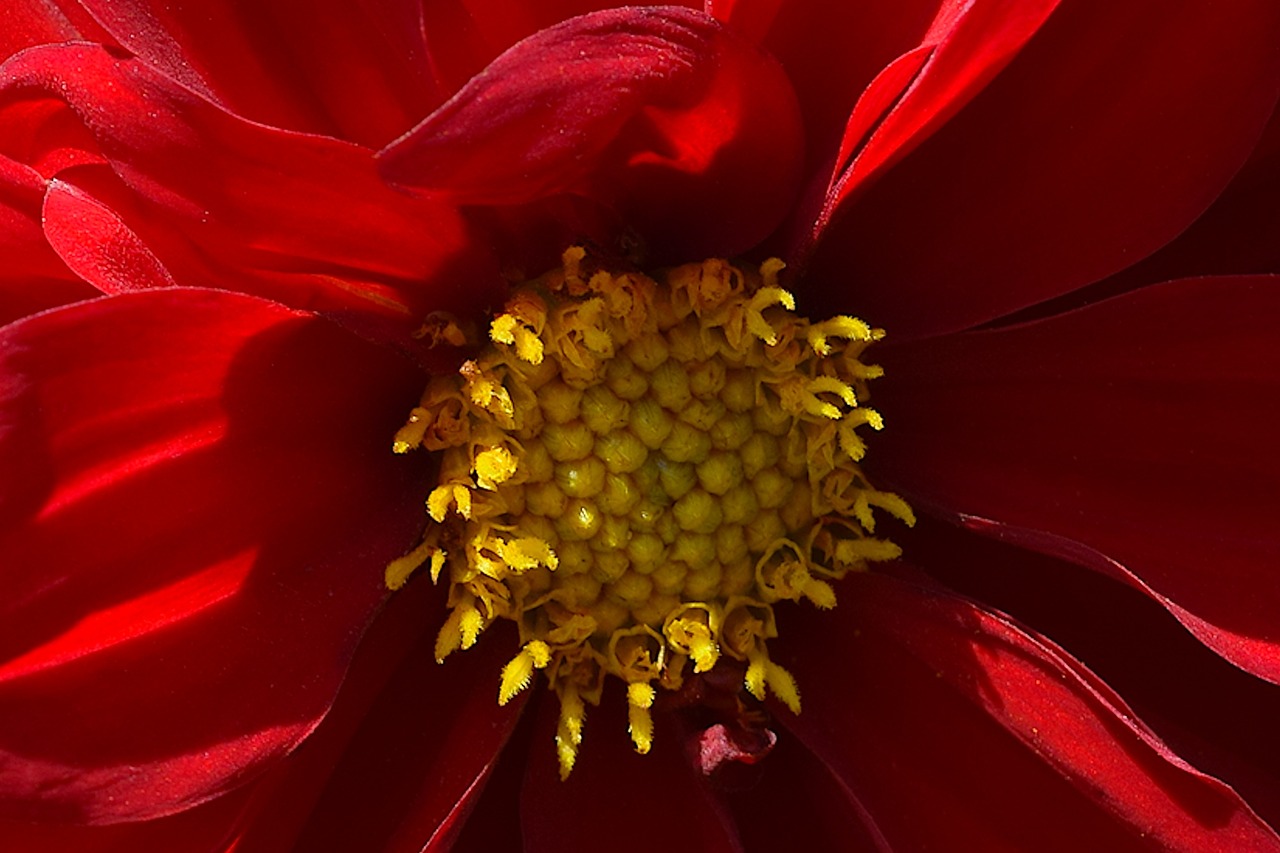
(635, 469)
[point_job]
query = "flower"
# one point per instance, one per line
(224, 225)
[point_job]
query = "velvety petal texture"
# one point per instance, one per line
(684, 131)
(195, 483)
(352, 70)
(1135, 436)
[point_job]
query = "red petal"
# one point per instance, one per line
(96, 244)
(422, 755)
(221, 202)
(687, 132)
(799, 804)
(959, 730)
(1109, 134)
(31, 22)
(198, 503)
(353, 70)
(463, 36)
(615, 799)
(1136, 436)
(203, 829)
(32, 277)
(972, 42)
(1235, 236)
(1215, 715)
(831, 50)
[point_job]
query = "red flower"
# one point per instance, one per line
(222, 223)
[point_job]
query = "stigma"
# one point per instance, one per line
(635, 470)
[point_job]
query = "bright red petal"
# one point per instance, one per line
(1107, 136)
(352, 70)
(1136, 436)
(686, 132)
(28, 23)
(959, 730)
(158, 177)
(197, 505)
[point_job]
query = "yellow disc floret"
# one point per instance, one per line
(635, 469)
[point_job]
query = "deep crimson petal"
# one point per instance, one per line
(1236, 236)
(203, 829)
(197, 504)
(830, 65)
(799, 804)
(970, 43)
(616, 799)
(32, 278)
(1108, 135)
(422, 755)
(925, 60)
(1218, 717)
(688, 133)
(463, 36)
(1136, 436)
(958, 730)
(352, 70)
(222, 202)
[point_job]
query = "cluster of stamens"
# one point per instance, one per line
(635, 470)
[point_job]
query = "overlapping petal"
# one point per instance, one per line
(155, 177)
(673, 124)
(32, 277)
(958, 729)
(1135, 436)
(352, 70)
(1107, 136)
(194, 480)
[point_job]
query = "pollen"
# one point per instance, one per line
(635, 470)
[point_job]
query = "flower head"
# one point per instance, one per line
(243, 242)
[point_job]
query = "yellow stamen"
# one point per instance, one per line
(635, 470)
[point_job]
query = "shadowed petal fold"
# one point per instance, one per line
(958, 729)
(197, 484)
(1113, 129)
(1136, 436)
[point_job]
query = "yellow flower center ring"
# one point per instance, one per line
(636, 469)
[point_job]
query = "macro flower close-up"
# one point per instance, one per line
(547, 425)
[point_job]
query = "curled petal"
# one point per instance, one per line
(956, 728)
(684, 130)
(1135, 436)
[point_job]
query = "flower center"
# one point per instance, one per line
(636, 469)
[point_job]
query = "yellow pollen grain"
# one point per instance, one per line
(634, 470)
